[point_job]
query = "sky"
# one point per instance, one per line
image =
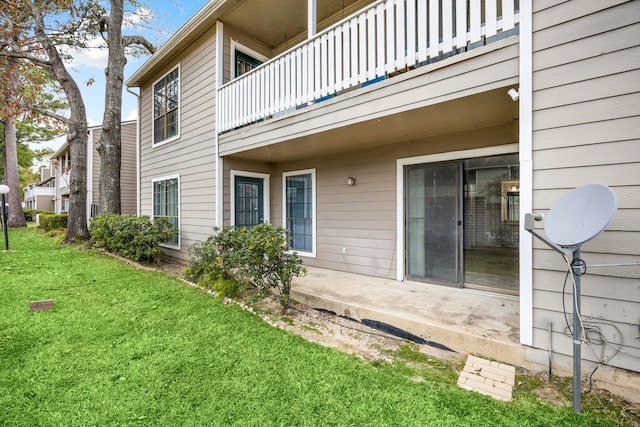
(89, 64)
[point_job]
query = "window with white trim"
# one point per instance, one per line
(166, 203)
(166, 107)
(300, 210)
(243, 59)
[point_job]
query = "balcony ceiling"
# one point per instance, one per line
(467, 114)
(274, 22)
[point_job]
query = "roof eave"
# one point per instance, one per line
(198, 22)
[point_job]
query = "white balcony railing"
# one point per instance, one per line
(35, 191)
(64, 179)
(383, 38)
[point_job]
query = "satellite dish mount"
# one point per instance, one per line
(579, 216)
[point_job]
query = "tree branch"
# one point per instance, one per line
(51, 114)
(139, 40)
(47, 65)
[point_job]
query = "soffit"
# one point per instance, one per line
(274, 22)
(483, 110)
(271, 22)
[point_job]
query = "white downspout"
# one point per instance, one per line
(219, 163)
(526, 170)
(138, 207)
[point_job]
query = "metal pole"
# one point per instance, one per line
(4, 223)
(577, 335)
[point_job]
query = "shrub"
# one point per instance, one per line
(258, 256)
(49, 221)
(133, 237)
(30, 214)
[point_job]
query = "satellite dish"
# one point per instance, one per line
(580, 215)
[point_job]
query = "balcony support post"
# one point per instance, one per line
(311, 18)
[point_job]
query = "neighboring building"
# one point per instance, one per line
(388, 145)
(41, 195)
(61, 167)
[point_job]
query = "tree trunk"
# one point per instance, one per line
(110, 144)
(77, 138)
(16, 215)
(11, 171)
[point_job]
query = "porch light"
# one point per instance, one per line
(4, 190)
(351, 180)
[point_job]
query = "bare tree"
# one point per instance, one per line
(110, 144)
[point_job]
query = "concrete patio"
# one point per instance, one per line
(464, 320)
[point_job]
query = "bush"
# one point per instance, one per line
(133, 237)
(30, 214)
(258, 256)
(49, 221)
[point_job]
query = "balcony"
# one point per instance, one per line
(379, 42)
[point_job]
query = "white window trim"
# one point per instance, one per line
(311, 254)
(165, 178)
(265, 195)
(153, 119)
(234, 45)
(432, 158)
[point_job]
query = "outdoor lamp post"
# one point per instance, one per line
(4, 190)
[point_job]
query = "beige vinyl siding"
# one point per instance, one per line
(44, 203)
(128, 189)
(475, 72)
(586, 86)
(244, 40)
(255, 167)
(127, 167)
(362, 218)
(95, 167)
(192, 156)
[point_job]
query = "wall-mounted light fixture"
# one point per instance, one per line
(351, 180)
(514, 94)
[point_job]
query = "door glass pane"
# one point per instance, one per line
(248, 201)
(432, 222)
(491, 223)
(299, 207)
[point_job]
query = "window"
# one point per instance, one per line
(299, 210)
(243, 59)
(166, 203)
(245, 63)
(166, 102)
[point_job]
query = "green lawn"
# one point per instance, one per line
(132, 347)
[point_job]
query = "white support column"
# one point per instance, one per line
(311, 18)
(219, 82)
(526, 170)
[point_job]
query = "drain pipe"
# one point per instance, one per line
(550, 326)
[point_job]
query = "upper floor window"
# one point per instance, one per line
(166, 103)
(245, 63)
(243, 59)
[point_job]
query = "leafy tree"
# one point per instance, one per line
(25, 89)
(39, 31)
(110, 144)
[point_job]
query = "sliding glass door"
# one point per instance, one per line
(462, 223)
(433, 222)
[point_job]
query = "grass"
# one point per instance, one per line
(132, 347)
